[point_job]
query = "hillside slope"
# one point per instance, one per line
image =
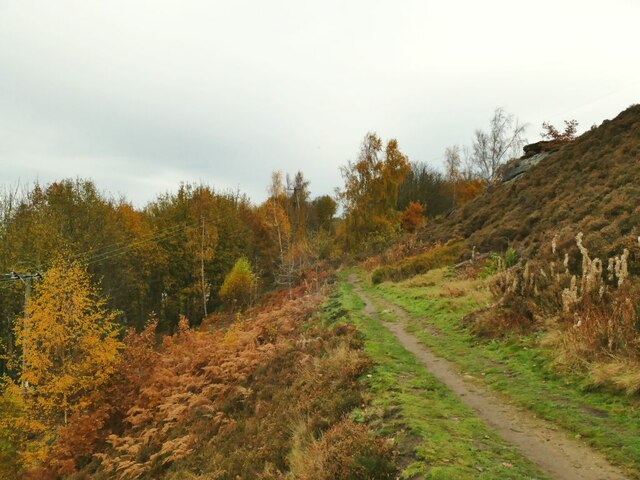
(591, 184)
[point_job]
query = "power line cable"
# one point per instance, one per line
(125, 249)
(596, 100)
(573, 109)
(119, 244)
(162, 235)
(126, 243)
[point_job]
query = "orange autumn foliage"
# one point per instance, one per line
(220, 396)
(467, 190)
(412, 217)
(69, 350)
(370, 190)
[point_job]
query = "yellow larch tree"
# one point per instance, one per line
(69, 344)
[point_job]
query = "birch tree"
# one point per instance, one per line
(493, 148)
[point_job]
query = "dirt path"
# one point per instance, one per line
(542, 442)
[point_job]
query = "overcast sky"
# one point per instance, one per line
(140, 95)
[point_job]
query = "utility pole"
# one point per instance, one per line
(26, 279)
(204, 293)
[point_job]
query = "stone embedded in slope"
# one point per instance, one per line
(543, 146)
(518, 166)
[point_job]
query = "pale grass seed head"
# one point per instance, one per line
(621, 267)
(570, 295)
(611, 269)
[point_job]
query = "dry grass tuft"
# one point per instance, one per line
(592, 315)
(452, 292)
(347, 451)
(619, 374)
(600, 328)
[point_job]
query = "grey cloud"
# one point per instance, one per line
(142, 95)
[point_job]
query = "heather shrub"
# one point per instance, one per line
(436, 257)
(383, 273)
(580, 180)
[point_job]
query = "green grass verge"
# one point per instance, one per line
(437, 436)
(518, 367)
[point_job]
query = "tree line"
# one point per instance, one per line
(170, 257)
(110, 268)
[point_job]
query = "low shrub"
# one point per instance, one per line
(436, 257)
(603, 328)
(593, 315)
(412, 217)
(494, 264)
(497, 263)
(347, 451)
(383, 273)
(238, 285)
(511, 257)
(499, 321)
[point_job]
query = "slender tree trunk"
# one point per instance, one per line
(25, 326)
(277, 224)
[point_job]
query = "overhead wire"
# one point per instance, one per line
(125, 249)
(122, 248)
(158, 236)
(573, 109)
(596, 100)
(118, 244)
